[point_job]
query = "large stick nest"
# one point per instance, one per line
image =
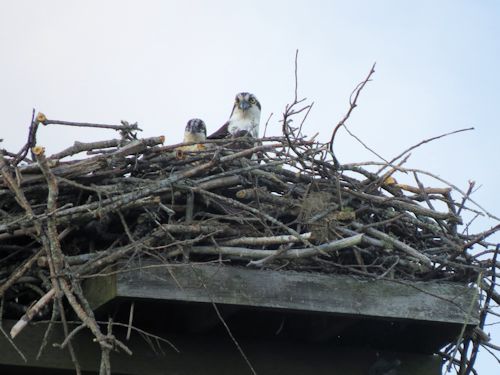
(282, 203)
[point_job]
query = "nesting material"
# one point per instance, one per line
(281, 203)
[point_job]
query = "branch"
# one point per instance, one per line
(124, 127)
(398, 244)
(353, 99)
(32, 312)
(247, 253)
(263, 241)
(420, 144)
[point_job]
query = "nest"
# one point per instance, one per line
(282, 203)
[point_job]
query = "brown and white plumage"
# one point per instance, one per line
(244, 119)
(195, 131)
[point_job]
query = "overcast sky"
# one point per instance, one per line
(161, 63)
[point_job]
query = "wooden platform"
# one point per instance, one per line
(306, 292)
(285, 322)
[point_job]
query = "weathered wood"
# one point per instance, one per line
(337, 294)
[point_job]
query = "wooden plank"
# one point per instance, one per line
(420, 301)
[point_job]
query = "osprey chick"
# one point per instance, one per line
(244, 119)
(195, 131)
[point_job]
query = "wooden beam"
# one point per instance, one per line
(337, 294)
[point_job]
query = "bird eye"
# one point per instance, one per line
(252, 100)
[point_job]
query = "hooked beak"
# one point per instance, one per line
(244, 105)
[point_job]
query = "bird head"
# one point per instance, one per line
(196, 131)
(246, 104)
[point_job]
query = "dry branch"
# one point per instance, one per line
(247, 253)
(62, 221)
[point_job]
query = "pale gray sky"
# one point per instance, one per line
(163, 62)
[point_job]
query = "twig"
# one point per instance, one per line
(269, 218)
(20, 271)
(11, 342)
(416, 209)
(124, 127)
(263, 241)
(466, 196)
(481, 236)
(31, 313)
(484, 312)
(398, 244)
(226, 327)
(130, 320)
(247, 253)
(420, 144)
(353, 99)
(45, 339)
(366, 146)
(21, 155)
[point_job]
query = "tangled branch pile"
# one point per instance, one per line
(282, 203)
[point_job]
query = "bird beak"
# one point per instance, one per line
(244, 105)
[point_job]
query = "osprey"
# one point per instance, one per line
(244, 119)
(195, 131)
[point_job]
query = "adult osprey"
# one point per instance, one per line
(244, 119)
(195, 131)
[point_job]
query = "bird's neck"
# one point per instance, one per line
(252, 115)
(193, 137)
